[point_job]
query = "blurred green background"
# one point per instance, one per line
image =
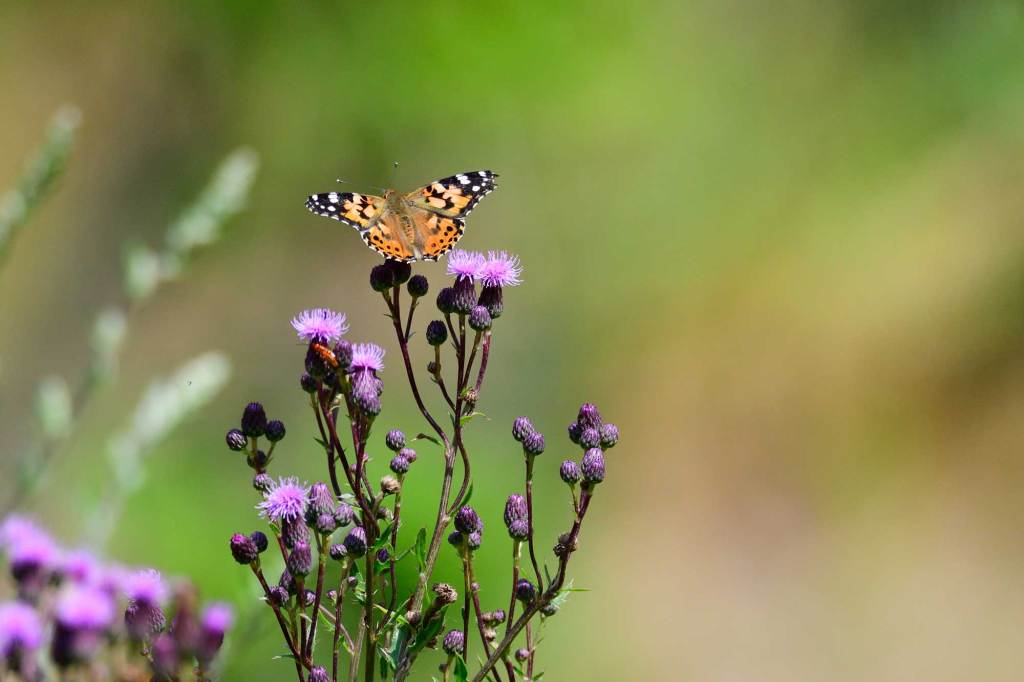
(780, 245)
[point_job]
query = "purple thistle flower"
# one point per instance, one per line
(146, 587)
(21, 630)
(318, 674)
(465, 264)
(501, 269)
(367, 356)
(408, 453)
(320, 324)
(285, 499)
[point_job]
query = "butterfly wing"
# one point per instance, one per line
(383, 237)
(455, 196)
(360, 211)
(437, 234)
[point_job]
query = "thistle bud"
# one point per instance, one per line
(395, 440)
(609, 436)
(525, 591)
(589, 438)
(355, 542)
(418, 286)
(445, 593)
(243, 549)
(570, 472)
(437, 333)
(533, 444)
(381, 278)
(236, 440)
(479, 319)
(260, 540)
(300, 560)
(254, 420)
(454, 642)
(275, 430)
(592, 466)
(521, 428)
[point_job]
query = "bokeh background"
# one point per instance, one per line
(780, 245)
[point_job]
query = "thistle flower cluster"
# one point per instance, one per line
(334, 544)
(75, 617)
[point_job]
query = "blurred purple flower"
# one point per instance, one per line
(20, 629)
(80, 566)
(320, 324)
(80, 607)
(146, 587)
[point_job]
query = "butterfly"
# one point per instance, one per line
(422, 225)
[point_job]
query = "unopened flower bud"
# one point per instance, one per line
(570, 472)
(467, 520)
(445, 593)
(525, 591)
(236, 440)
(418, 286)
(408, 453)
(381, 278)
(254, 420)
(260, 540)
(609, 436)
(589, 438)
(275, 430)
(355, 542)
(522, 655)
(437, 333)
(454, 642)
(262, 482)
(521, 428)
(395, 440)
(533, 444)
(338, 552)
(399, 465)
(243, 549)
(479, 319)
(308, 383)
(300, 560)
(592, 466)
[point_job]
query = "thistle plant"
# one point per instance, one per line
(75, 617)
(338, 539)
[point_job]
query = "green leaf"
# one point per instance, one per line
(459, 671)
(429, 631)
(465, 419)
(423, 436)
(421, 548)
(321, 442)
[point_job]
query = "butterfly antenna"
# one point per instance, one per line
(349, 182)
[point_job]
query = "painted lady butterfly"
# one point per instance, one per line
(421, 225)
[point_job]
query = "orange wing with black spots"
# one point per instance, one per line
(383, 237)
(360, 211)
(437, 234)
(454, 196)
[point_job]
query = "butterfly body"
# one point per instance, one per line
(421, 225)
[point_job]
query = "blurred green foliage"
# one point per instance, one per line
(779, 245)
